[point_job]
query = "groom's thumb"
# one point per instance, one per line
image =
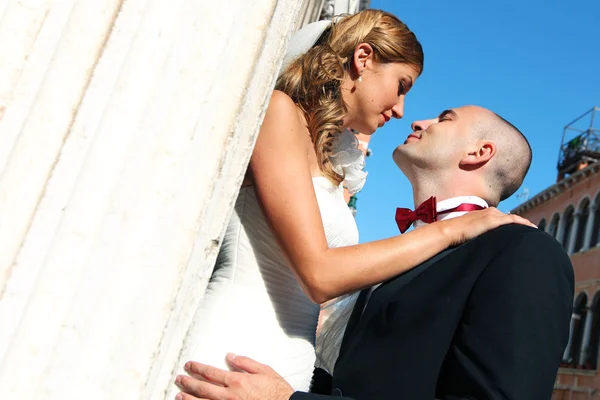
(249, 365)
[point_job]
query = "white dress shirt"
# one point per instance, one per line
(442, 206)
(453, 202)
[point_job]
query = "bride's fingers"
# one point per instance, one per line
(515, 219)
(524, 221)
(507, 218)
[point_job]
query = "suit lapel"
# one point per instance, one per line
(355, 316)
(382, 295)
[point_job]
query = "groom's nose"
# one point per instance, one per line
(422, 125)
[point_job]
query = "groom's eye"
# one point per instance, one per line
(445, 116)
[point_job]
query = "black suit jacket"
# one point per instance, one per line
(486, 320)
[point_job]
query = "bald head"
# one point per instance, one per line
(467, 150)
(513, 155)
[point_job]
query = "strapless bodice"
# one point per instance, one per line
(254, 305)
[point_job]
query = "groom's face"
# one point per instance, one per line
(440, 142)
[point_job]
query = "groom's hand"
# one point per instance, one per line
(258, 382)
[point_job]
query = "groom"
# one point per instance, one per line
(488, 319)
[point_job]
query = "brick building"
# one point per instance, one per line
(569, 210)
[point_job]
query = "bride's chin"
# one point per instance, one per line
(371, 131)
(366, 128)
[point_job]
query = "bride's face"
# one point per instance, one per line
(378, 96)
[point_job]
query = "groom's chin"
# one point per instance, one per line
(399, 156)
(406, 157)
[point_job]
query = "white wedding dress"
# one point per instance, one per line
(254, 306)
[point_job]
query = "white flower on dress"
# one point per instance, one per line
(348, 160)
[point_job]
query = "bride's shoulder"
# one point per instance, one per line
(281, 102)
(282, 106)
(283, 118)
(279, 97)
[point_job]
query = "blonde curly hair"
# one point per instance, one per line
(313, 80)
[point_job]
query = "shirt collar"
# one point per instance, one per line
(452, 202)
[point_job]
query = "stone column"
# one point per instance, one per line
(346, 6)
(309, 12)
(587, 334)
(573, 234)
(125, 129)
(560, 229)
(589, 228)
(568, 350)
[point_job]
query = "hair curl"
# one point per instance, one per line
(313, 80)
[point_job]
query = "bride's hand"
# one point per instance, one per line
(475, 223)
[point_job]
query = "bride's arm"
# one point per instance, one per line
(283, 184)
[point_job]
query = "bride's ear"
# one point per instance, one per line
(363, 58)
(482, 152)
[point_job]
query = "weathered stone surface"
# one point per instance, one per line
(125, 128)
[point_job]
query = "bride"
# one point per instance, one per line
(292, 243)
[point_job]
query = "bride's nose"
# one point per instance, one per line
(398, 109)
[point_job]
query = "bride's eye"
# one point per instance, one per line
(401, 88)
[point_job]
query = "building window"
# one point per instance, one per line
(582, 218)
(542, 224)
(568, 219)
(596, 228)
(553, 228)
(571, 354)
(589, 348)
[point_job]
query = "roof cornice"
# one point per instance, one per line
(557, 189)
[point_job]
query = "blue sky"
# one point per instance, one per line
(534, 62)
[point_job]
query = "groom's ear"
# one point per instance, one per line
(482, 152)
(363, 57)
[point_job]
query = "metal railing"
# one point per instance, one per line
(581, 149)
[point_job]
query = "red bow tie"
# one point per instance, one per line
(427, 212)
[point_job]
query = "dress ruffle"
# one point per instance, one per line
(348, 160)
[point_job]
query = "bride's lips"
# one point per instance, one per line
(385, 119)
